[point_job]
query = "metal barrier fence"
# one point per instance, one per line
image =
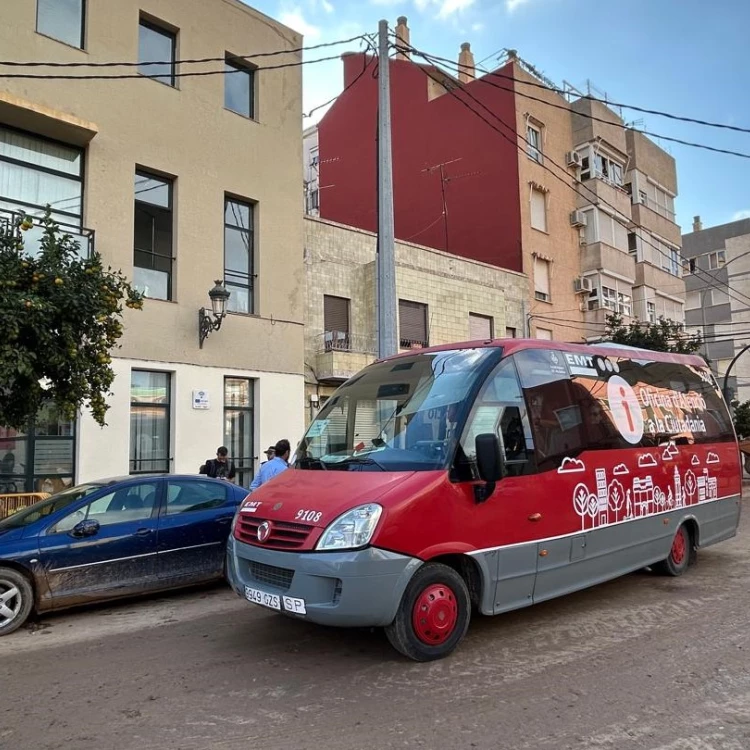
(10, 504)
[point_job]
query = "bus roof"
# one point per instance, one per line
(606, 349)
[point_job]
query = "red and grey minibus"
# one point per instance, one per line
(487, 477)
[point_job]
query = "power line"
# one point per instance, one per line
(516, 135)
(562, 92)
(126, 76)
(370, 48)
(189, 61)
(566, 108)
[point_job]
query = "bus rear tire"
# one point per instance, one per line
(433, 615)
(678, 560)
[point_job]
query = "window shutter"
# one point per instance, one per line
(412, 323)
(336, 314)
(480, 327)
(538, 210)
(541, 278)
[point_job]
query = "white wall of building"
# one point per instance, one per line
(195, 433)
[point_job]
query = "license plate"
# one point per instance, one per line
(272, 601)
(294, 605)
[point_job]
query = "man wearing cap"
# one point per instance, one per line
(270, 453)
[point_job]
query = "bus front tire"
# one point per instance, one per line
(678, 560)
(433, 615)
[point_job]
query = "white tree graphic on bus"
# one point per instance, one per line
(616, 498)
(581, 502)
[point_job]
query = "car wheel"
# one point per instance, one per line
(16, 600)
(433, 615)
(678, 559)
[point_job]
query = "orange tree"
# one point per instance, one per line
(60, 318)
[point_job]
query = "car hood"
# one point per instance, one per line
(10, 535)
(297, 496)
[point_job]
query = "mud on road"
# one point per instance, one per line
(641, 663)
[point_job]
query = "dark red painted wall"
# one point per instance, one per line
(484, 220)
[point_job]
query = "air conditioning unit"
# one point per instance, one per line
(582, 284)
(578, 219)
(573, 159)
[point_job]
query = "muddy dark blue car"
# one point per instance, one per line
(113, 538)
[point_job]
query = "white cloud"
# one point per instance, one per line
(477, 27)
(295, 20)
(449, 7)
(739, 215)
(511, 5)
(445, 8)
(327, 7)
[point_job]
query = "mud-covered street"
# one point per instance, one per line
(640, 663)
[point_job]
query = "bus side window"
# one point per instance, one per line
(500, 409)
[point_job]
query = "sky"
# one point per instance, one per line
(686, 57)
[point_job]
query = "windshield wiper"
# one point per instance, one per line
(360, 461)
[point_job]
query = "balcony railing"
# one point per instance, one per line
(343, 341)
(32, 238)
(413, 344)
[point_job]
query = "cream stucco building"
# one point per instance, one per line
(178, 180)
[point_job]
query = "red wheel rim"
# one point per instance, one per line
(435, 614)
(679, 548)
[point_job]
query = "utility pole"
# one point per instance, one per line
(386, 260)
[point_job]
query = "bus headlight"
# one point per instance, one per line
(351, 530)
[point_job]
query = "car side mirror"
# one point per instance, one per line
(88, 527)
(490, 463)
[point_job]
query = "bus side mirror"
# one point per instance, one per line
(491, 465)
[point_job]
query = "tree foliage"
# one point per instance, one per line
(742, 419)
(663, 336)
(60, 318)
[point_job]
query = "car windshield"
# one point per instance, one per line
(47, 507)
(399, 415)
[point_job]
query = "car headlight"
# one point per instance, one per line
(352, 529)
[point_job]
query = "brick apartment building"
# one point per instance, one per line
(552, 186)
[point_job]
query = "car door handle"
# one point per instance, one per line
(224, 519)
(143, 532)
(535, 517)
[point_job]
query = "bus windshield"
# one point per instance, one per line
(399, 415)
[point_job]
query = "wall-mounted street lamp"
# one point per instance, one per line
(218, 296)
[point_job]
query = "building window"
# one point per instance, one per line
(544, 333)
(510, 333)
(157, 45)
(609, 298)
(693, 300)
(607, 169)
(717, 260)
(149, 422)
(35, 173)
(239, 255)
(658, 200)
(585, 169)
(40, 458)
(481, 327)
(670, 258)
(239, 407)
(624, 304)
(534, 142)
(611, 231)
(719, 297)
(152, 273)
(336, 323)
(412, 320)
(538, 209)
(239, 87)
(313, 198)
(63, 20)
(541, 280)
(632, 243)
(651, 312)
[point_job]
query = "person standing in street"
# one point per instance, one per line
(270, 469)
(220, 467)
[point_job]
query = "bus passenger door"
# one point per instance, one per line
(506, 532)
